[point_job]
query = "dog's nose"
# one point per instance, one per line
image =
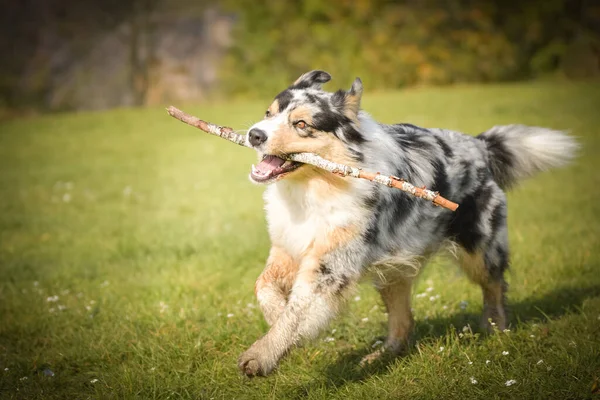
(257, 137)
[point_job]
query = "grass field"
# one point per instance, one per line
(129, 246)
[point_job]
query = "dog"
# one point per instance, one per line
(328, 231)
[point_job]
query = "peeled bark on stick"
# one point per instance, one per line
(317, 161)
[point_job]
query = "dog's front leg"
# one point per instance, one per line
(274, 284)
(315, 298)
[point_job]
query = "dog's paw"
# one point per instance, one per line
(256, 362)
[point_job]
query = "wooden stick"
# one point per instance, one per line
(317, 161)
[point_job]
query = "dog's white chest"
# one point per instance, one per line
(297, 218)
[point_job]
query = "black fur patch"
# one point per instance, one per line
(357, 155)
(501, 160)
(332, 121)
(464, 227)
(312, 78)
(497, 218)
(440, 180)
(448, 153)
(409, 138)
(284, 98)
(344, 282)
(324, 269)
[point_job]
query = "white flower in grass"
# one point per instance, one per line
(540, 362)
(66, 197)
(329, 339)
(441, 349)
(429, 289)
(36, 283)
(357, 298)
(463, 305)
(505, 353)
(506, 331)
(250, 305)
(104, 284)
(23, 378)
(61, 307)
(432, 298)
(470, 362)
(444, 307)
(510, 382)
(419, 295)
(531, 336)
(94, 380)
(88, 308)
(465, 328)
(163, 306)
(230, 315)
(52, 309)
(365, 319)
(376, 344)
(333, 331)
(487, 362)
(52, 299)
(473, 380)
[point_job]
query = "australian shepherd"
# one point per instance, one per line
(329, 231)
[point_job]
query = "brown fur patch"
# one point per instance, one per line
(473, 265)
(301, 113)
(281, 271)
(274, 107)
(400, 320)
(286, 140)
(352, 105)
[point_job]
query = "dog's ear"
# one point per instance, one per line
(352, 98)
(313, 79)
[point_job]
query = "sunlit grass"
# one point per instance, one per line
(129, 246)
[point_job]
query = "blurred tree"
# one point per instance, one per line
(61, 54)
(393, 43)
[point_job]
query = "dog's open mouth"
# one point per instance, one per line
(271, 168)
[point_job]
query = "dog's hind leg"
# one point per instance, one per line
(486, 267)
(479, 228)
(396, 297)
(274, 284)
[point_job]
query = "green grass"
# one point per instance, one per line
(150, 235)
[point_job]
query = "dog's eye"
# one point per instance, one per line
(267, 114)
(300, 124)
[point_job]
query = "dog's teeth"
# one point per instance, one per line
(253, 168)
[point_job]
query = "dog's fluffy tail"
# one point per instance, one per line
(517, 151)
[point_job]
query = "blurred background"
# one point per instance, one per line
(88, 54)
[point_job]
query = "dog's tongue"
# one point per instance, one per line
(269, 163)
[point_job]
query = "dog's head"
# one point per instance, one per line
(305, 119)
